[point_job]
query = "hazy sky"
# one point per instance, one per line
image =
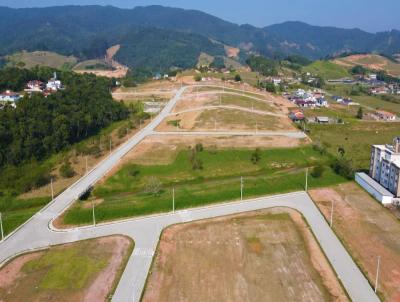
(370, 15)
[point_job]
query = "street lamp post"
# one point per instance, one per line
(241, 188)
(306, 179)
(173, 200)
(377, 274)
(1, 227)
(52, 189)
(93, 214)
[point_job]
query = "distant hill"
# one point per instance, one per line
(159, 37)
(372, 62)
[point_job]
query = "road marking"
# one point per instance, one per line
(143, 252)
(185, 216)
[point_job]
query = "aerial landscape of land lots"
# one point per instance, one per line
(214, 170)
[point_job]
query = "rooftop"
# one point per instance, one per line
(376, 186)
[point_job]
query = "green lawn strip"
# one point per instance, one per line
(279, 171)
(68, 268)
(16, 211)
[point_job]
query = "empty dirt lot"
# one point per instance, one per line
(368, 230)
(85, 271)
(260, 256)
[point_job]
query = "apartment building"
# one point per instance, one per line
(385, 166)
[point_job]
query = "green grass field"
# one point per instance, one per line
(279, 170)
(372, 102)
(356, 138)
(327, 70)
(16, 211)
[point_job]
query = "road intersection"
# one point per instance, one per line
(39, 232)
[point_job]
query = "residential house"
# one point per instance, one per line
(9, 97)
(385, 115)
(53, 84)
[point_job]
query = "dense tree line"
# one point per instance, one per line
(41, 126)
(264, 66)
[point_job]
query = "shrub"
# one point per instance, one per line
(318, 171)
(153, 186)
(66, 170)
(343, 167)
(238, 78)
(199, 147)
(256, 156)
(197, 78)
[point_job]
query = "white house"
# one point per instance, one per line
(9, 96)
(53, 84)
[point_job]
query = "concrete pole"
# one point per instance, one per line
(241, 188)
(377, 274)
(332, 215)
(306, 179)
(1, 227)
(52, 189)
(173, 200)
(93, 214)
(86, 164)
(110, 146)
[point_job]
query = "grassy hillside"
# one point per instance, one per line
(374, 62)
(328, 70)
(41, 58)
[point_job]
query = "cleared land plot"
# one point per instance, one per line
(327, 70)
(369, 61)
(355, 138)
(83, 271)
(162, 150)
(368, 231)
(42, 58)
(230, 119)
(260, 256)
(202, 178)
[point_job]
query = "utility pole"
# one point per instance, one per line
(306, 179)
(377, 274)
(52, 189)
(332, 215)
(1, 227)
(86, 160)
(93, 214)
(110, 146)
(241, 188)
(173, 200)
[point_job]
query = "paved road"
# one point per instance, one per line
(38, 231)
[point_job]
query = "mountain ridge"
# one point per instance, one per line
(85, 31)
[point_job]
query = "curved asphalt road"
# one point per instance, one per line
(38, 233)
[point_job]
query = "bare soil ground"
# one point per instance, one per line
(368, 230)
(371, 61)
(18, 284)
(269, 255)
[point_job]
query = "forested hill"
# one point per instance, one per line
(166, 33)
(41, 126)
